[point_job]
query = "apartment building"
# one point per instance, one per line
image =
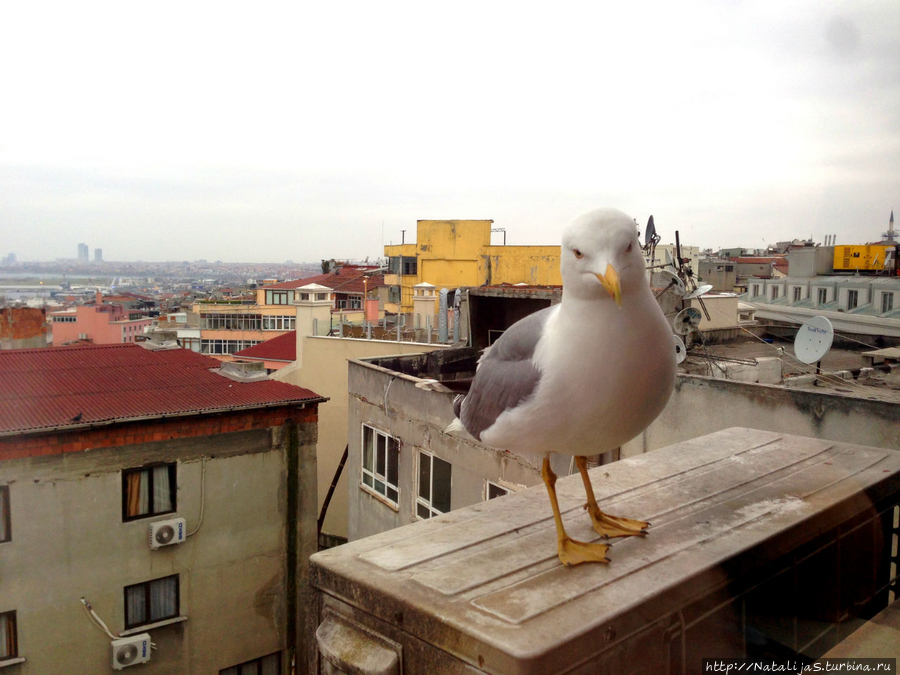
(157, 508)
(230, 326)
(458, 253)
(100, 323)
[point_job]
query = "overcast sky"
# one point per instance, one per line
(309, 130)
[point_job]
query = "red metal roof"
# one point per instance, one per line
(43, 389)
(281, 348)
(346, 279)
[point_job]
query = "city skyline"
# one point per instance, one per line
(307, 133)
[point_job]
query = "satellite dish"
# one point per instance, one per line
(680, 349)
(700, 290)
(813, 340)
(650, 232)
(666, 280)
(686, 321)
(669, 260)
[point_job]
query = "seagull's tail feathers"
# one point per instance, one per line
(456, 428)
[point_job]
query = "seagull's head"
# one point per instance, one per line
(601, 257)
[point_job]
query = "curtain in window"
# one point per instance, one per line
(271, 665)
(136, 498)
(135, 605)
(162, 490)
(7, 636)
(163, 599)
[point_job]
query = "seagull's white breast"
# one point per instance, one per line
(606, 374)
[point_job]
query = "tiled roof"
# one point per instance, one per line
(281, 348)
(43, 389)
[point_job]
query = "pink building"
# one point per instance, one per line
(97, 323)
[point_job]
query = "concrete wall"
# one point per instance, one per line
(69, 541)
(324, 371)
(418, 418)
(702, 405)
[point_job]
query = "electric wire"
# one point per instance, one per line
(827, 376)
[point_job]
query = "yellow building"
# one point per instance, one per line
(457, 253)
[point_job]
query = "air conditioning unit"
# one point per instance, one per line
(167, 532)
(130, 651)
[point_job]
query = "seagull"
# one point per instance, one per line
(581, 377)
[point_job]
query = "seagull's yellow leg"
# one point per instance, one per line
(571, 552)
(608, 526)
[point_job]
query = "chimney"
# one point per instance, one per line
(98, 298)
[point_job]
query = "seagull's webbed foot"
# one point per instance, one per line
(605, 524)
(573, 552)
(616, 526)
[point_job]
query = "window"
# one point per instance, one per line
(775, 290)
(757, 290)
(381, 464)
(9, 644)
(393, 294)
(492, 490)
(797, 292)
(434, 486)
(821, 296)
(887, 305)
(279, 322)
(852, 299)
(64, 319)
(225, 346)
(5, 524)
(216, 321)
(151, 601)
(279, 297)
(267, 665)
(148, 491)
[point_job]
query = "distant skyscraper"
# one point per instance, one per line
(98, 255)
(83, 252)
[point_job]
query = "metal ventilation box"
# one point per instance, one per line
(761, 545)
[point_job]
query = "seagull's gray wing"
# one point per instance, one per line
(506, 374)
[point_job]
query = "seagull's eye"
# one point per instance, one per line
(578, 253)
(630, 246)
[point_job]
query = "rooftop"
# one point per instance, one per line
(281, 348)
(73, 387)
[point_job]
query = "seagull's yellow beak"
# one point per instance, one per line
(610, 282)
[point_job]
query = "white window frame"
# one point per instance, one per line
(488, 484)
(797, 293)
(425, 507)
(821, 296)
(380, 450)
(852, 298)
(887, 302)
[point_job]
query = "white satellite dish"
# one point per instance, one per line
(813, 340)
(700, 290)
(686, 321)
(680, 349)
(666, 280)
